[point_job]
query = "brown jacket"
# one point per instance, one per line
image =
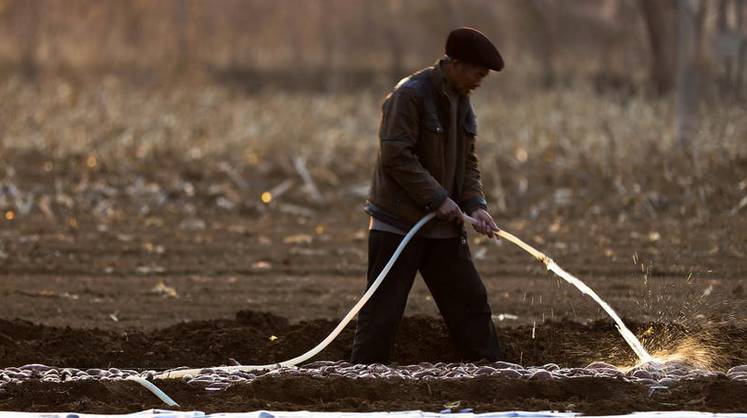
(410, 169)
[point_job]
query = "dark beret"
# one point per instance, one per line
(470, 45)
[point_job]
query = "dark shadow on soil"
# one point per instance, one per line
(247, 339)
(586, 394)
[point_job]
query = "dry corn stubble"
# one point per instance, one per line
(541, 152)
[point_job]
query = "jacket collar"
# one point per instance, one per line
(440, 82)
(439, 79)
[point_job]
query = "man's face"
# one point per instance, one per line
(467, 77)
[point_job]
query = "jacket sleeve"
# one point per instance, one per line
(473, 196)
(399, 132)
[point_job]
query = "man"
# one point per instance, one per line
(427, 163)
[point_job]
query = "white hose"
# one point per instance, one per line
(175, 374)
(154, 390)
(322, 345)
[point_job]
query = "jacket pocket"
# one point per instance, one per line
(431, 147)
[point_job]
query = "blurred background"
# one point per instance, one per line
(328, 45)
(588, 83)
(192, 109)
(189, 141)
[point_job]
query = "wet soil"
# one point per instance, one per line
(163, 291)
(588, 395)
(246, 339)
(262, 338)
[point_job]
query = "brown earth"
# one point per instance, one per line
(162, 269)
(588, 395)
(156, 292)
(132, 236)
(245, 339)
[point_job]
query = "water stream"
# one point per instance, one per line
(629, 337)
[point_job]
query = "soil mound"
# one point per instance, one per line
(587, 395)
(260, 338)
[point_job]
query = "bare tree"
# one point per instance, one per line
(330, 39)
(742, 54)
(453, 13)
(659, 17)
(182, 30)
(394, 40)
(542, 41)
(689, 23)
(730, 47)
(724, 45)
(27, 15)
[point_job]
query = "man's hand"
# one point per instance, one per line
(485, 223)
(449, 211)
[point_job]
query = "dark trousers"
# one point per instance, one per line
(451, 277)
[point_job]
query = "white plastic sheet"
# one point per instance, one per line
(161, 413)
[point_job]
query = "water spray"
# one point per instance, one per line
(627, 335)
